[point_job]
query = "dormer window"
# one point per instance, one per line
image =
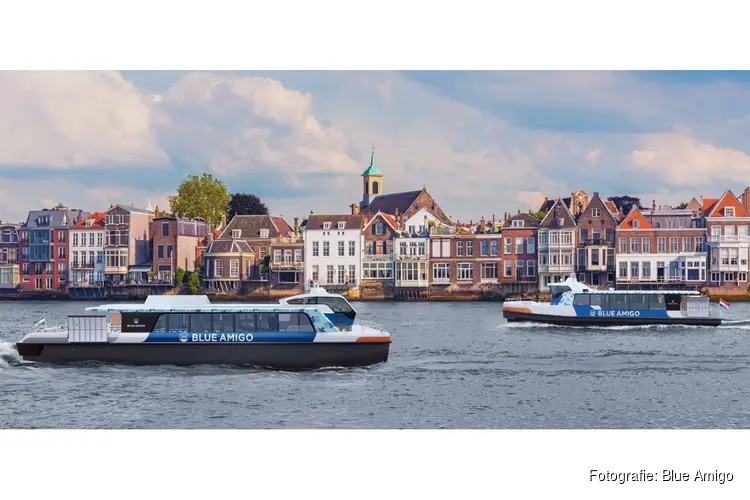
(236, 233)
(326, 225)
(636, 224)
(89, 222)
(518, 223)
(264, 233)
(342, 225)
(728, 211)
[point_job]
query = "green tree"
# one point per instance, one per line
(179, 276)
(537, 215)
(194, 284)
(205, 196)
(246, 204)
(682, 205)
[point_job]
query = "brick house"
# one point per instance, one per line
(44, 245)
(595, 259)
(287, 260)
(727, 220)
(127, 243)
(227, 263)
(174, 244)
(557, 245)
(661, 248)
(379, 232)
(519, 253)
(10, 257)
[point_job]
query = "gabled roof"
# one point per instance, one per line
(251, 225)
(635, 214)
(97, 218)
(57, 218)
(708, 204)
(612, 208)
(608, 208)
(131, 209)
(559, 210)
(728, 199)
(351, 221)
(529, 221)
(229, 246)
(547, 204)
(388, 219)
(693, 204)
(372, 169)
(390, 203)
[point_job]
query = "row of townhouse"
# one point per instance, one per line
(60, 247)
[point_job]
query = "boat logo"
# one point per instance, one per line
(592, 313)
(183, 337)
(135, 321)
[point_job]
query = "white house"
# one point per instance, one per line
(86, 256)
(333, 250)
(419, 223)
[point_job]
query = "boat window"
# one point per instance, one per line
(656, 302)
(599, 299)
(244, 322)
(337, 304)
(267, 322)
(200, 323)
(295, 322)
(223, 323)
(639, 302)
(618, 301)
(177, 322)
(581, 299)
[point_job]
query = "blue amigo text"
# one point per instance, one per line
(221, 337)
(617, 314)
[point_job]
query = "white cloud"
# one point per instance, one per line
(687, 161)
(63, 119)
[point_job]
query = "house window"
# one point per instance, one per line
(716, 231)
(634, 247)
(728, 211)
(519, 269)
(218, 268)
(234, 268)
(91, 239)
(169, 251)
(341, 248)
(530, 268)
(342, 225)
(326, 248)
(623, 245)
(99, 239)
(595, 261)
(686, 244)
(165, 229)
(494, 248)
(441, 272)
(379, 229)
(566, 238)
(315, 272)
(490, 270)
(352, 246)
(623, 270)
(646, 245)
(507, 246)
(636, 224)
(459, 249)
(329, 274)
(508, 268)
(236, 233)
(342, 275)
(596, 212)
(469, 248)
(674, 245)
(352, 274)
(661, 244)
(326, 225)
(543, 238)
(634, 269)
(160, 252)
(517, 223)
(75, 239)
(646, 270)
(581, 257)
(519, 246)
(298, 255)
(264, 233)
(287, 256)
(315, 249)
(715, 277)
(484, 248)
(277, 255)
(465, 271)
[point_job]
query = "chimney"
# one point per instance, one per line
(519, 211)
(296, 227)
(156, 212)
(653, 205)
(355, 209)
(596, 193)
(395, 212)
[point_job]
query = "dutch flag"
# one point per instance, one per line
(723, 303)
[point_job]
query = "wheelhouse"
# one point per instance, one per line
(341, 311)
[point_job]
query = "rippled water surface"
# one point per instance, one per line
(452, 365)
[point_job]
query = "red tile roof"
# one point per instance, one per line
(708, 204)
(98, 219)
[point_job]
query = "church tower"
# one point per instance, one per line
(373, 182)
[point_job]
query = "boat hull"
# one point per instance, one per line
(282, 356)
(517, 316)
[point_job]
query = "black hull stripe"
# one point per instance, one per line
(283, 356)
(597, 321)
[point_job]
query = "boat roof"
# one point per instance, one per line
(576, 286)
(220, 308)
(315, 291)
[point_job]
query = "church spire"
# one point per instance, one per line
(372, 169)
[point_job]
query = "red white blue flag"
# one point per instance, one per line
(723, 303)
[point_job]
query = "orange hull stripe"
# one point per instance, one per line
(374, 339)
(518, 309)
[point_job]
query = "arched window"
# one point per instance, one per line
(367, 187)
(375, 188)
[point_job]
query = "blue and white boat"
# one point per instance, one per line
(188, 330)
(575, 304)
(341, 312)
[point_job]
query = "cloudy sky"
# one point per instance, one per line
(483, 142)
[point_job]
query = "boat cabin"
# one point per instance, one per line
(216, 322)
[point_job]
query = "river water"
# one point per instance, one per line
(452, 365)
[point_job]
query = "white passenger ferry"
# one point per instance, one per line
(187, 330)
(575, 304)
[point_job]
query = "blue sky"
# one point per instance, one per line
(483, 142)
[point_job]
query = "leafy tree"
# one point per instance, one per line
(194, 283)
(205, 196)
(179, 276)
(625, 202)
(246, 204)
(682, 205)
(537, 215)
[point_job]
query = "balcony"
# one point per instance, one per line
(116, 270)
(411, 257)
(413, 283)
(82, 265)
(729, 238)
(597, 243)
(658, 279)
(556, 246)
(556, 268)
(377, 257)
(287, 266)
